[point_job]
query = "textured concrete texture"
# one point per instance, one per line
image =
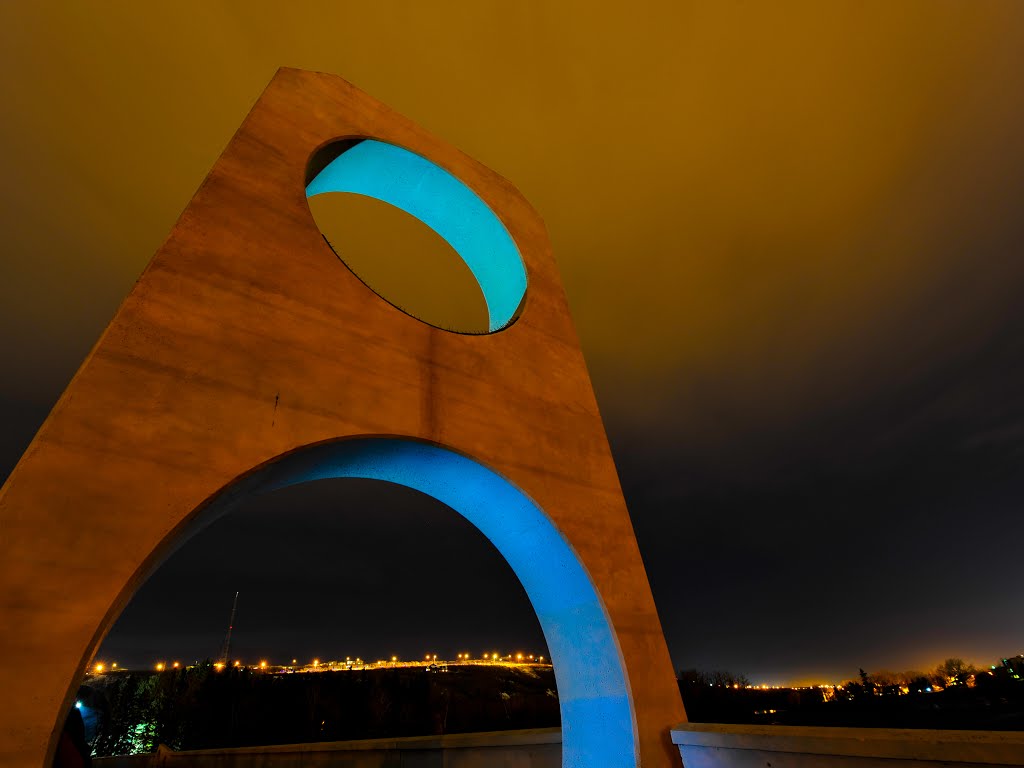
(537, 748)
(756, 746)
(246, 339)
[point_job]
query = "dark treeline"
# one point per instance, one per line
(199, 708)
(723, 697)
(954, 695)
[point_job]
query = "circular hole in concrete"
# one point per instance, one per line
(416, 235)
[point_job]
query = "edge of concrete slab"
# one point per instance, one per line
(984, 747)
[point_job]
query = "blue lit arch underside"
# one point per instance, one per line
(597, 719)
(446, 205)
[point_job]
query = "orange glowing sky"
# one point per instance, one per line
(790, 234)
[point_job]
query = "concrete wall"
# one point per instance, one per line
(700, 745)
(539, 748)
(751, 746)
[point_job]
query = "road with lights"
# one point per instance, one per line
(430, 662)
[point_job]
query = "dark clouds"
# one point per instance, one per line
(790, 236)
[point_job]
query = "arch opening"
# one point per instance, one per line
(382, 589)
(598, 726)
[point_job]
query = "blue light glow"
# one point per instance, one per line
(446, 205)
(597, 719)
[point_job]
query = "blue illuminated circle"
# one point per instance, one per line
(446, 205)
(597, 717)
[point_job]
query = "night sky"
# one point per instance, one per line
(792, 240)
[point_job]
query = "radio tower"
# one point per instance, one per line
(225, 650)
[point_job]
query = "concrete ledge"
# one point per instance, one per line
(530, 748)
(704, 745)
(448, 741)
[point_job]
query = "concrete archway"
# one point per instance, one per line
(598, 725)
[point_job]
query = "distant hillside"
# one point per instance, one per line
(198, 708)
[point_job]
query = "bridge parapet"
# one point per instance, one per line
(706, 745)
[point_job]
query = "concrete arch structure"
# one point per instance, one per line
(597, 718)
(244, 340)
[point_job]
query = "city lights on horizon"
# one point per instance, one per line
(99, 667)
(430, 661)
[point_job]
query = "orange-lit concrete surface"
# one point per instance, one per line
(756, 746)
(245, 339)
(535, 748)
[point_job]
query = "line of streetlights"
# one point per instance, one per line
(100, 667)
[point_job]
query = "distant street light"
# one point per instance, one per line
(99, 667)
(159, 666)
